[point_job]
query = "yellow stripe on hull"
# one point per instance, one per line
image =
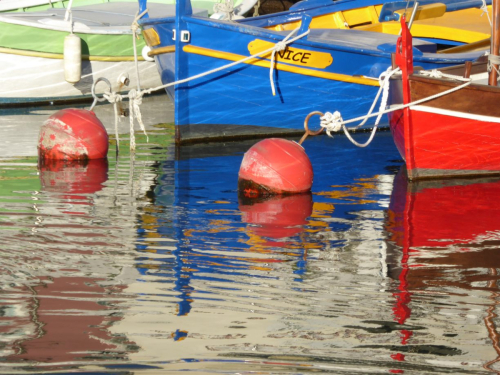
(286, 68)
(60, 56)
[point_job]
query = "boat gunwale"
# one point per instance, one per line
(279, 36)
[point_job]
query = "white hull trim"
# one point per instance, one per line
(446, 112)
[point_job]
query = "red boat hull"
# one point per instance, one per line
(445, 145)
(455, 128)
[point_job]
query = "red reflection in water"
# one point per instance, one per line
(277, 217)
(73, 179)
(68, 316)
(453, 218)
(69, 323)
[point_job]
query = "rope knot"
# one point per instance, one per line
(225, 7)
(484, 9)
(280, 46)
(492, 61)
(331, 122)
(135, 96)
(434, 73)
(135, 100)
(112, 97)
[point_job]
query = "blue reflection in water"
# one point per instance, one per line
(197, 204)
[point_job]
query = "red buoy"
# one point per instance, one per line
(275, 166)
(73, 134)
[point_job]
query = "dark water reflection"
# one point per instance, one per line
(151, 262)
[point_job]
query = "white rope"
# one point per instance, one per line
(230, 65)
(135, 26)
(493, 63)
(226, 7)
(280, 46)
(68, 10)
(71, 25)
(135, 101)
(117, 120)
(135, 96)
(484, 8)
(335, 121)
(256, 9)
(114, 99)
(434, 73)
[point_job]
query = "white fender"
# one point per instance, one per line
(72, 58)
(145, 51)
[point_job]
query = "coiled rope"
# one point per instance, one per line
(334, 122)
(493, 63)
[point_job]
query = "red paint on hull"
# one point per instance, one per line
(445, 145)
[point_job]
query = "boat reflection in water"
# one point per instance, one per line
(62, 315)
(59, 267)
(443, 239)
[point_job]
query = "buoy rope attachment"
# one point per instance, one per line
(106, 96)
(334, 122)
(136, 95)
(68, 11)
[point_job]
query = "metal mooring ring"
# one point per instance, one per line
(94, 95)
(306, 126)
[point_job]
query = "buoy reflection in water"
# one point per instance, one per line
(276, 216)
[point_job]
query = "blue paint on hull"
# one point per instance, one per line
(241, 95)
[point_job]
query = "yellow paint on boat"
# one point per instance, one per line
(346, 19)
(151, 37)
(361, 80)
(295, 56)
(161, 51)
(60, 56)
(463, 26)
(425, 11)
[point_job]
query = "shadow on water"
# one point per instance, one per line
(151, 262)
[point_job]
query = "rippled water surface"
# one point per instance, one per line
(149, 262)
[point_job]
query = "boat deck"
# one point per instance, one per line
(115, 17)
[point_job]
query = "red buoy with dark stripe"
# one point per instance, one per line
(73, 134)
(275, 166)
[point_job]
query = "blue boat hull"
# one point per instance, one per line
(241, 95)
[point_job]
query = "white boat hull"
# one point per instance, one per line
(27, 79)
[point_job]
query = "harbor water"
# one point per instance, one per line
(149, 262)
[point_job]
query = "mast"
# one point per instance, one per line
(495, 42)
(182, 10)
(142, 7)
